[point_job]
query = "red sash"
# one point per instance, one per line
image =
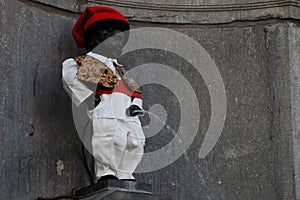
(122, 87)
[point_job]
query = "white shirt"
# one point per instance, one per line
(112, 105)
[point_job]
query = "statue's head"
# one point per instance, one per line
(95, 28)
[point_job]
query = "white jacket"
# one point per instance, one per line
(111, 106)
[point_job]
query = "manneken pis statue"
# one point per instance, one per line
(118, 139)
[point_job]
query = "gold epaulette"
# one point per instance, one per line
(92, 70)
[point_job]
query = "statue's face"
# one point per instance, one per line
(108, 42)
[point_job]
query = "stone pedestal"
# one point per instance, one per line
(129, 196)
(122, 195)
(116, 189)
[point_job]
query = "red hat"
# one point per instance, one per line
(95, 14)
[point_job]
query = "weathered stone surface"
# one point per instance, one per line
(204, 12)
(294, 57)
(281, 136)
(240, 166)
(255, 158)
(201, 2)
(71, 5)
(36, 127)
(191, 12)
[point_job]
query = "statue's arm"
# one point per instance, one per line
(76, 90)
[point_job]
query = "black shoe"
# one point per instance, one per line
(107, 177)
(132, 180)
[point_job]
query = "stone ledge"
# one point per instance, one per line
(200, 7)
(70, 5)
(202, 13)
(183, 12)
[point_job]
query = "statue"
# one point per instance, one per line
(118, 139)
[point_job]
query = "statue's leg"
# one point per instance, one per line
(108, 142)
(134, 150)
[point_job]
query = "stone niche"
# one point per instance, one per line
(257, 156)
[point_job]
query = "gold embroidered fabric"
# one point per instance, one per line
(92, 70)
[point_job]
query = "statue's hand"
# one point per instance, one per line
(134, 110)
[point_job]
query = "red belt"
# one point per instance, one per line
(122, 87)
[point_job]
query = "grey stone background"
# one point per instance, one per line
(256, 51)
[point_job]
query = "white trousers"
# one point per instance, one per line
(118, 147)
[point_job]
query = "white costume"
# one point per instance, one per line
(118, 140)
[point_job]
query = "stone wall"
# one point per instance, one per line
(257, 54)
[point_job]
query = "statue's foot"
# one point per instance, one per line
(103, 178)
(132, 180)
